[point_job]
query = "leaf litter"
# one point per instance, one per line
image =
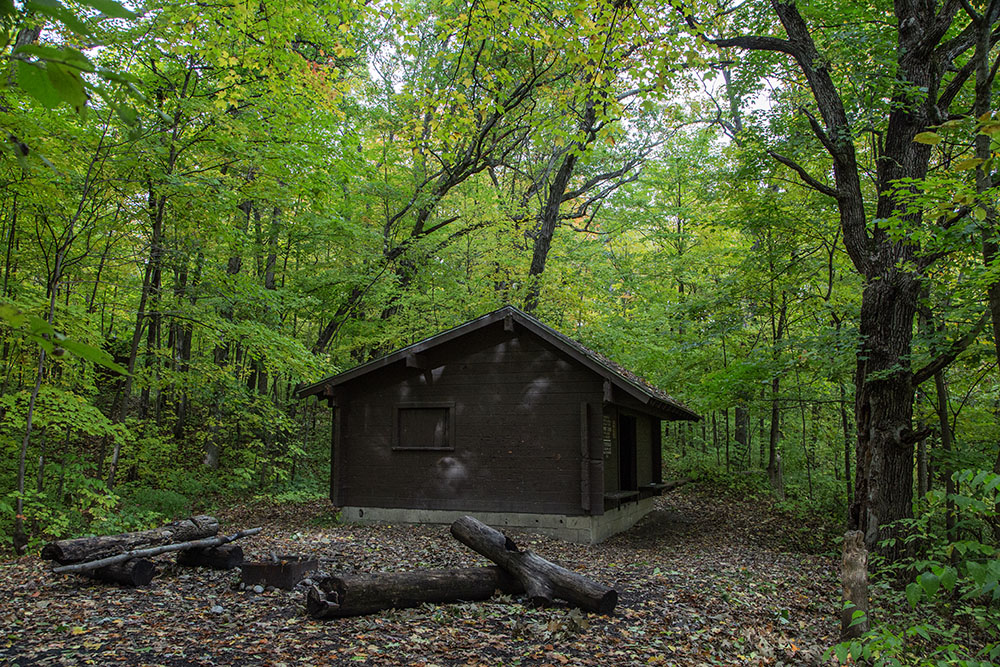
(702, 580)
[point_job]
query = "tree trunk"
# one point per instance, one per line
(946, 445)
(845, 424)
(883, 489)
(359, 594)
(774, 472)
(93, 548)
(742, 430)
(542, 581)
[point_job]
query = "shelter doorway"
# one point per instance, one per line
(628, 479)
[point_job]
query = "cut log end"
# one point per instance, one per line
(607, 603)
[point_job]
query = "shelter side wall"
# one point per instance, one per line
(513, 444)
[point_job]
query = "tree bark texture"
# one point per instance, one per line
(93, 548)
(136, 572)
(854, 579)
(224, 557)
(359, 594)
(542, 580)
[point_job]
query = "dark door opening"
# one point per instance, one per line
(628, 478)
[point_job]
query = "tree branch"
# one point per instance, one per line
(804, 175)
(956, 348)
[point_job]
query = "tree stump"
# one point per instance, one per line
(225, 557)
(93, 548)
(854, 578)
(542, 580)
(135, 572)
(359, 594)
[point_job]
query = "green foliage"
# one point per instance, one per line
(947, 614)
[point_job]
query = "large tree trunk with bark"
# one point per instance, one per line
(542, 580)
(883, 489)
(359, 594)
(92, 548)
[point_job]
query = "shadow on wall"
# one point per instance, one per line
(452, 478)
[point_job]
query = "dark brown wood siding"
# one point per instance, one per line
(644, 449)
(515, 444)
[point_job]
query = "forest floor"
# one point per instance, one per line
(703, 580)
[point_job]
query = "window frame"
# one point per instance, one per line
(417, 405)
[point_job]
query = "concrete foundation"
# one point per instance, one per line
(581, 529)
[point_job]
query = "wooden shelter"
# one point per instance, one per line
(503, 418)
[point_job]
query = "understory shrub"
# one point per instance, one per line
(948, 612)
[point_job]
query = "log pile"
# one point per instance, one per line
(123, 558)
(516, 571)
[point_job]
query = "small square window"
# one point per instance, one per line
(424, 427)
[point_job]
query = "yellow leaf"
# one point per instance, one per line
(929, 138)
(970, 163)
(77, 630)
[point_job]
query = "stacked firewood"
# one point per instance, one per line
(516, 571)
(124, 558)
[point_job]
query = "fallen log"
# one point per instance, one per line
(542, 580)
(359, 594)
(83, 549)
(136, 572)
(153, 551)
(224, 557)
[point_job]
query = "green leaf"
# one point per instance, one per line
(34, 81)
(913, 593)
(55, 10)
(930, 582)
(841, 652)
(929, 138)
(110, 8)
(948, 578)
(12, 316)
(94, 354)
(128, 115)
(74, 58)
(68, 84)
